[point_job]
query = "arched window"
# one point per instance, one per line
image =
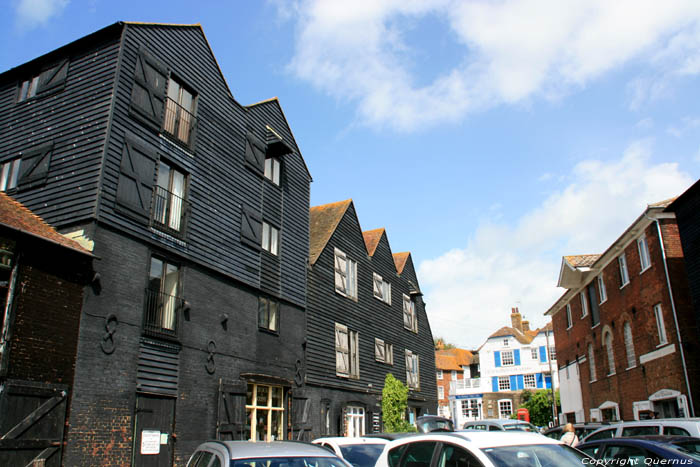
(607, 340)
(591, 362)
(629, 345)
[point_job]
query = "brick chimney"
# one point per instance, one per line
(517, 319)
(526, 325)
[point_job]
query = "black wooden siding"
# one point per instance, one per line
(368, 315)
(220, 185)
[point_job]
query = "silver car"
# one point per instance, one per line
(261, 454)
(505, 424)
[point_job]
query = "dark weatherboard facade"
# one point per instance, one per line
(196, 208)
(365, 318)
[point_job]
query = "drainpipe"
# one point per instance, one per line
(675, 317)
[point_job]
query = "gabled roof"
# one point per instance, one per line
(581, 261)
(400, 260)
(14, 215)
(508, 331)
(372, 238)
(324, 220)
(452, 359)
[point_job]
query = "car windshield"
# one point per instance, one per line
(436, 425)
(362, 455)
(519, 427)
(288, 462)
(535, 455)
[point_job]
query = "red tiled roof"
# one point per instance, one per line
(400, 260)
(324, 220)
(372, 238)
(581, 261)
(452, 359)
(16, 216)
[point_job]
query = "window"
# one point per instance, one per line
(624, 274)
(660, 327)
(505, 408)
(268, 314)
(28, 88)
(503, 383)
(629, 345)
(584, 304)
(382, 289)
(345, 275)
(507, 358)
(601, 289)
(383, 352)
(169, 198)
(505, 343)
(264, 408)
(441, 392)
(8, 176)
(439, 374)
(453, 375)
(591, 362)
(50, 79)
(607, 341)
(410, 320)
(270, 238)
(533, 353)
(552, 353)
(529, 381)
(162, 300)
(355, 421)
(593, 301)
(569, 323)
(644, 260)
(179, 112)
(272, 170)
(347, 358)
(412, 370)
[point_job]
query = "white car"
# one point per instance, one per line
(480, 449)
(360, 452)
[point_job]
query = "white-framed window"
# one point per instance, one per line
(270, 238)
(505, 408)
(534, 354)
(660, 326)
(8, 176)
(629, 345)
(410, 320)
(591, 362)
(608, 342)
(552, 352)
(383, 352)
(381, 289)
(584, 304)
(441, 392)
(504, 383)
(644, 259)
(624, 274)
(268, 314)
(601, 289)
(347, 358)
(272, 170)
(507, 358)
(345, 275)
(439, 374)
(506, 343)
(529, 381)
(28, 88)
(412, 370)
(453, 375)
(569, 322)
(265, 412)
(355, 421)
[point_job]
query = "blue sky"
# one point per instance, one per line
(488, 138)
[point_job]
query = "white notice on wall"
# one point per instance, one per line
(150, 442)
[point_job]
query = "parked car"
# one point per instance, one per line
(662, 426)
(636, 451)
(261, 454)
(682, 443)
(430, 423)
(480, 448)
(581, 429)
(360, 452)
(390, 436)
(504, 424)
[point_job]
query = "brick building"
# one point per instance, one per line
(452, 365)
(625, 335)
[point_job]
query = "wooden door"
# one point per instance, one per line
(153, 430)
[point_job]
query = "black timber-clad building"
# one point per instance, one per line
(365, 318)
(130, 141)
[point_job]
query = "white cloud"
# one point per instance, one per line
(469, 291)
(34, 13)
(513, 50)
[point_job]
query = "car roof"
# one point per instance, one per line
(249, 449)
(482, 439)
(347, 441)
(634, 441)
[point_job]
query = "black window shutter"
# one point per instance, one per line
(53, 79)
(148, 92)
(251, 228)
(255, 152)
(231, 419)
(136, 175)
(34, 168)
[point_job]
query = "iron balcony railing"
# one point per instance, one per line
(169, 211)
(161, 316)
(179, 122)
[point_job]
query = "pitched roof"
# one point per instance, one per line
(324, 220)
(16, 216)
(508, 331)
(372, 238)
(400, 260)
(452, 359)
(581, 261)
(663, 204)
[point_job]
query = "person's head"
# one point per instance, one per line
(569, 427)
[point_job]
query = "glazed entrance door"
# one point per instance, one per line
(153, 430)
